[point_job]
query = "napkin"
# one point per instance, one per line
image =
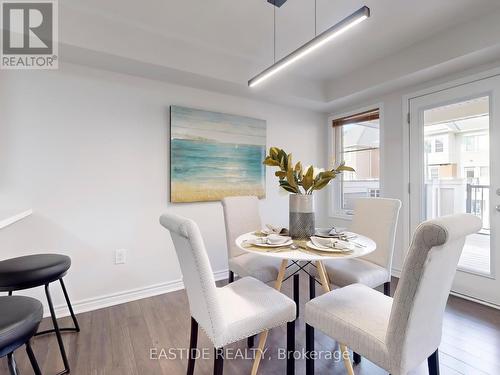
(272, 239)
(331, 243)
(273, 229)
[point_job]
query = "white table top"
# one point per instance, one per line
(11, 216)
(301, 255)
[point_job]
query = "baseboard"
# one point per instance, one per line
(96, 303)
(397, 273)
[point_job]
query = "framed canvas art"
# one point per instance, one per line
(214, 155)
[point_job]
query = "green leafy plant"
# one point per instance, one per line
(294, 179)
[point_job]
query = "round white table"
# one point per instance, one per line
(306, 256)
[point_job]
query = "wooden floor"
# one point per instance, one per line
(117, 340)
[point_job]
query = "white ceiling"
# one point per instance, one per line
(240, 33)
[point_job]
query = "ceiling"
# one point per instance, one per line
(233, 40)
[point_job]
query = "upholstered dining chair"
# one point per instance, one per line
(241, 215)
(231, 313)
(376, 218)
(398, 334)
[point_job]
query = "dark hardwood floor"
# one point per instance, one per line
(117, 341)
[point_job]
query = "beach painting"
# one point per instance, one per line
(214, 155)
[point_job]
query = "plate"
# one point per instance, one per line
(327, 249)
(287, 243)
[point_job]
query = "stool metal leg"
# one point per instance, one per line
(70, 307)
(11, 362)
(31, 356)
(57, 331)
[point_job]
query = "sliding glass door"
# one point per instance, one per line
(455, 167)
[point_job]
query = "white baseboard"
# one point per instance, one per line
(397, 273)
(96, 303)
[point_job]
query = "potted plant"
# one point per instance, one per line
(301, 183)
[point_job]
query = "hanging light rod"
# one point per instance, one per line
(357, 17)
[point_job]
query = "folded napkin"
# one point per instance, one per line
(331, 243)
(273, 229)
(272, 239)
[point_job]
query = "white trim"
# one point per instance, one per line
(472, 299)
(397, 273)
(12, 218)
(100, 302)
(333, 187)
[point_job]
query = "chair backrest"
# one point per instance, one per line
(377, 218)
(241, 215)
(415, 324)
(196, 271)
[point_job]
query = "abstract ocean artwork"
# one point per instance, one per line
(214, 155)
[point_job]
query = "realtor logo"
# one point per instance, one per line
(29, 34)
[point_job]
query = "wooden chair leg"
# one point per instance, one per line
(309, 349)
(387, 288)
(290, 348)
(218, 361)
(433, 363)
(231, 277)
(193, 344)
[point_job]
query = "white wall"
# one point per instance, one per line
(88, 150)
(393, 154)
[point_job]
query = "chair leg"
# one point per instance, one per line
(231, 277)
(193, 344)
(433, 363)
(57, 332)
(387, 288)
(356, 358)
(290, 348)
(70, 307)
(31, 356)
(11, 362)
(296, 292)
(218, 361)
(251, 341)
(309, 350)
(10, 293)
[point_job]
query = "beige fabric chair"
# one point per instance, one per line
(398, 334)
(376, 218)
(231, 313)
(241, 215)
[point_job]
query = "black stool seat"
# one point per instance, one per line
(32, 270)
(19, 320)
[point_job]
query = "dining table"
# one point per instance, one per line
(301, 256)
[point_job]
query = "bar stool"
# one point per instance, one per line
(19, 321)
(36, 270)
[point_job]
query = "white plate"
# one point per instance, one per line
(327, 249)
(287, 243)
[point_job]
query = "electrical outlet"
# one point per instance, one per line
(120, 256)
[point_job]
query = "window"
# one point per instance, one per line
(469, 172)
(434, 173)
(471, 143)
(438, 145)
(428, 147)
(357, 142)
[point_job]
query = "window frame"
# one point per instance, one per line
(335, 188)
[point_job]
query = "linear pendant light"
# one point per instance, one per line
(354, 19)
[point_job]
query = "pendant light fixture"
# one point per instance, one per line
(319, 40)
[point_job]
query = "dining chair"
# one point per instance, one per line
(398, 334)
(226, 314)
(376, 218)
(241, 215)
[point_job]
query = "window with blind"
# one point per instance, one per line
(357, 142)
